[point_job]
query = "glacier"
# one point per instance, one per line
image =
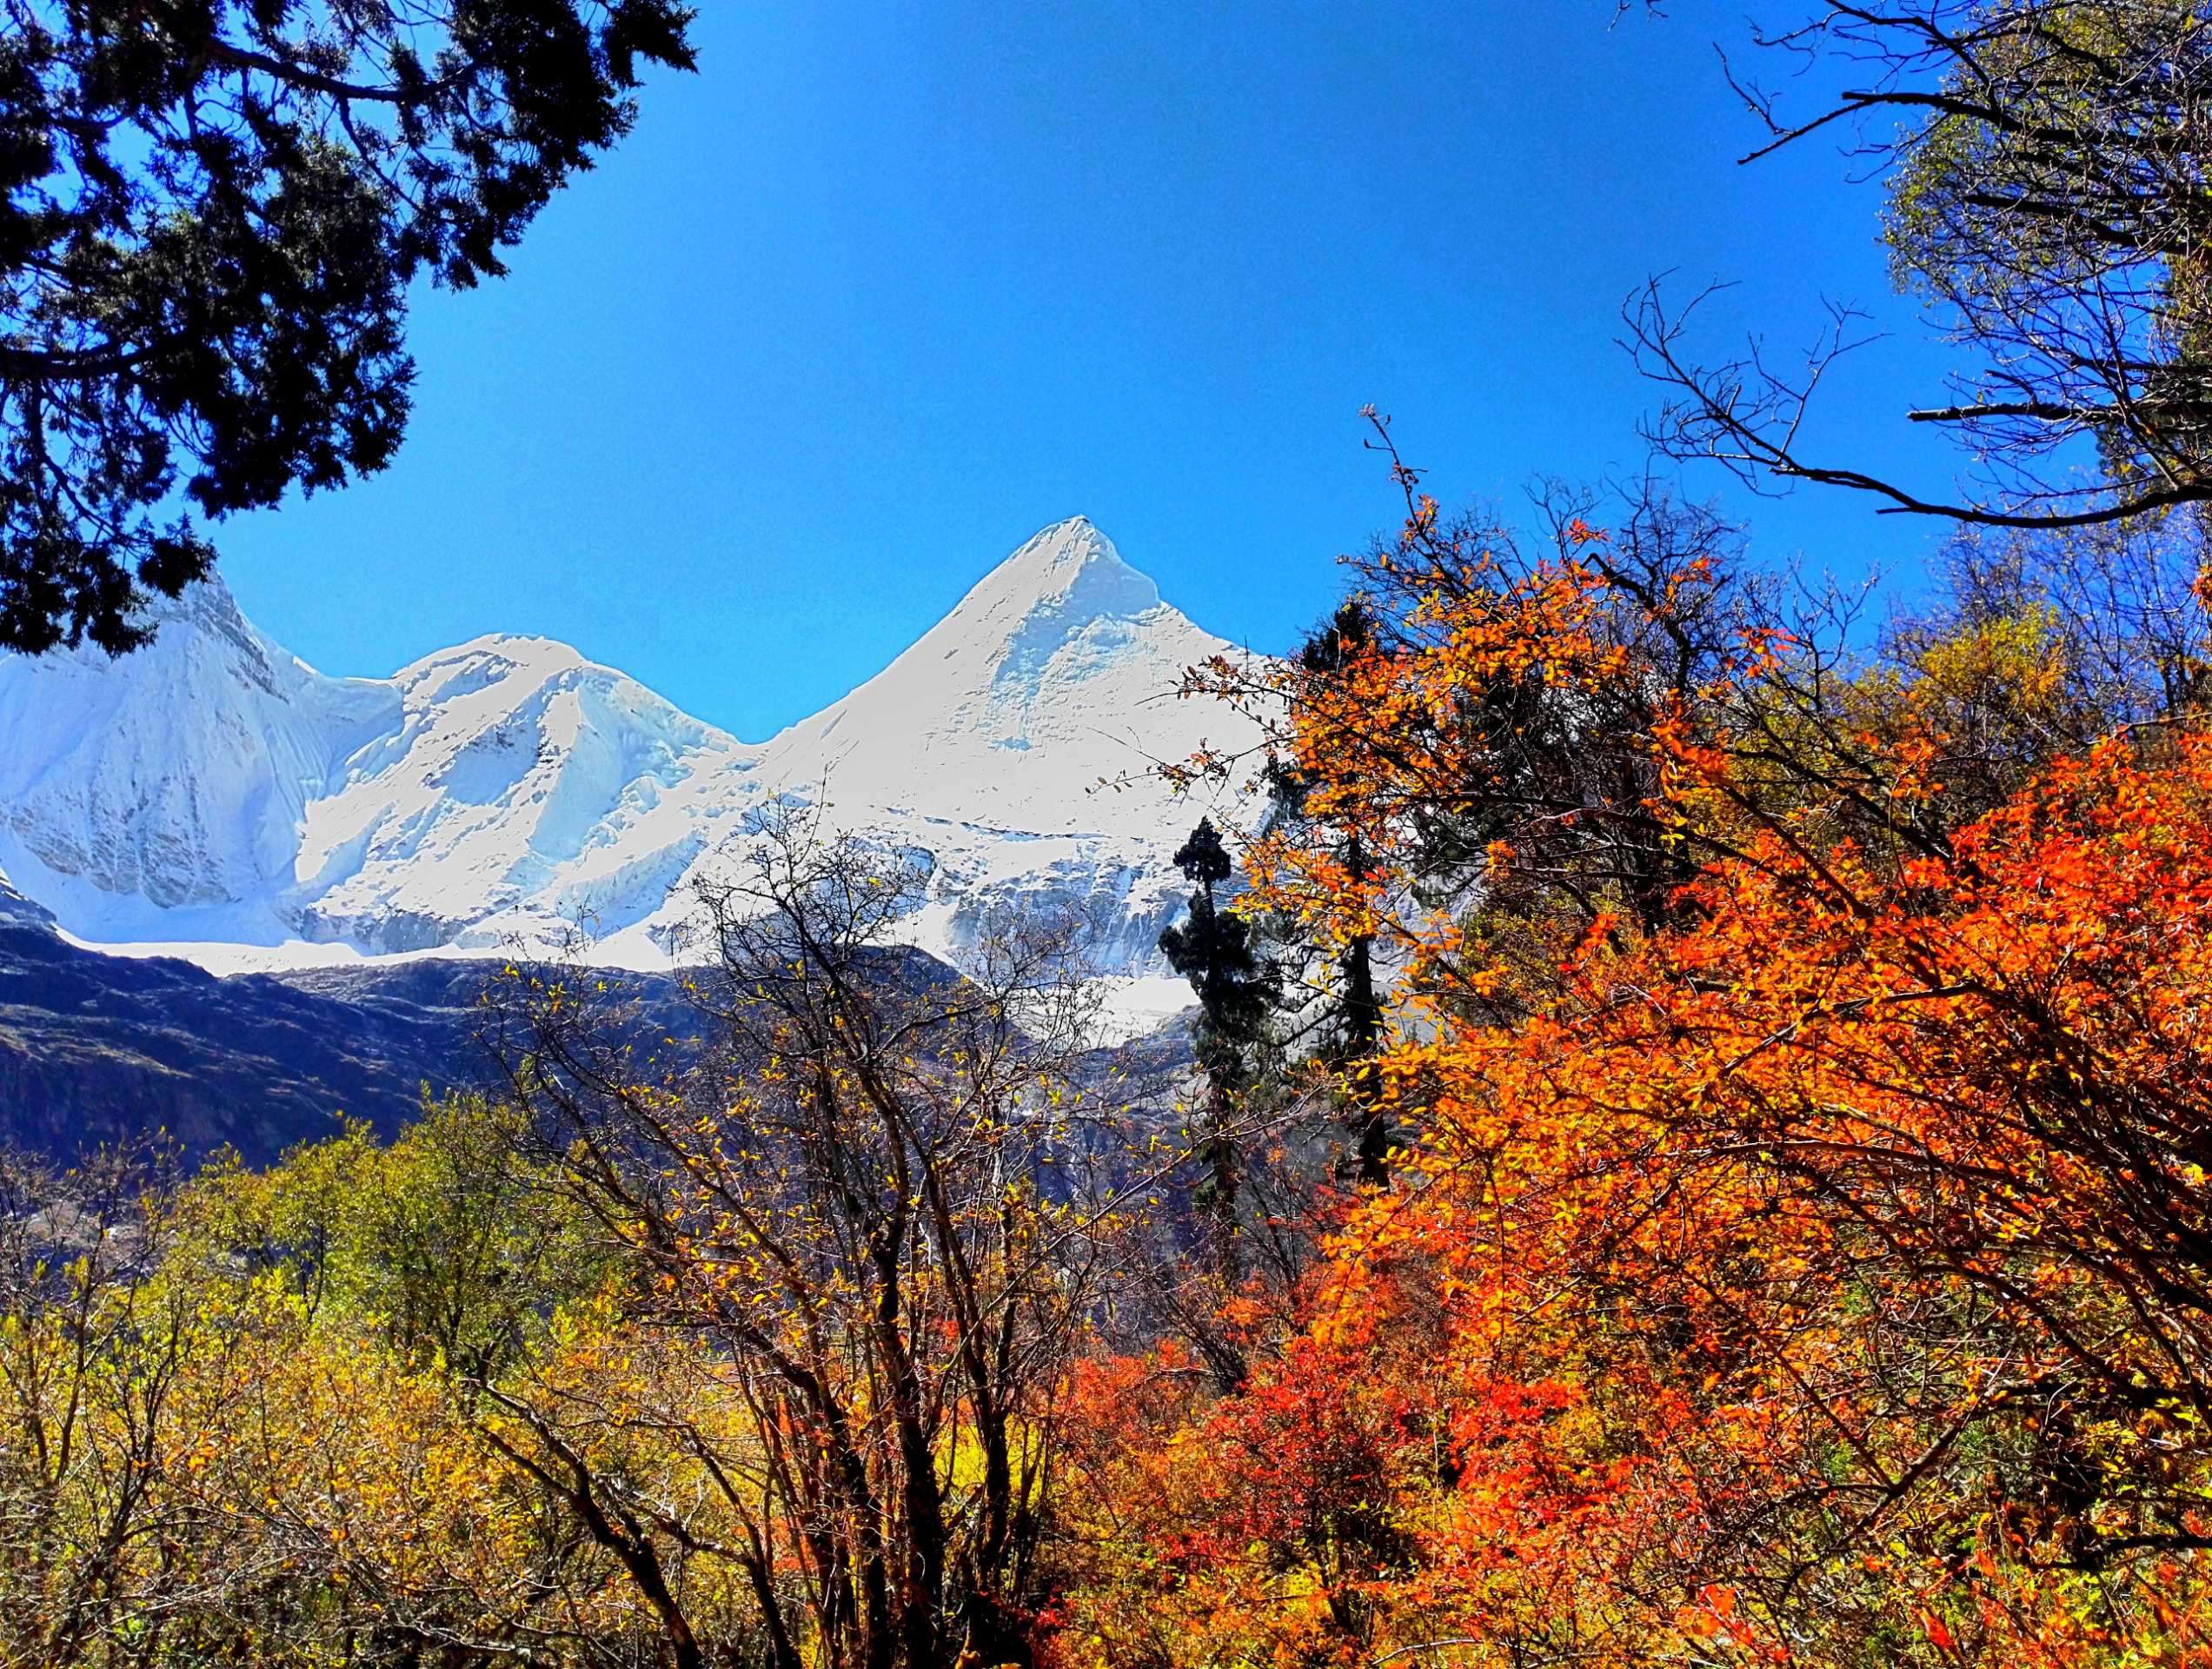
(212, 796)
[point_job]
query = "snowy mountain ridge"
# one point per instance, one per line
(212, 794)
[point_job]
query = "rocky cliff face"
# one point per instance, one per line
(98, 1048)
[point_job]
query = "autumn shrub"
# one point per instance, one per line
(1802, 1252)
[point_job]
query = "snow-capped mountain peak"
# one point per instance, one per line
(1065, 580)
(1058, 668)
(176, 778)
(213, 790)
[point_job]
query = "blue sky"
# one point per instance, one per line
(887, 286)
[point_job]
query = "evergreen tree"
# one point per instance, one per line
(1213, 950)
(1352, 1025)
(210, 214)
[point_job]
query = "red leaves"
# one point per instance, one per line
(1807, 1252)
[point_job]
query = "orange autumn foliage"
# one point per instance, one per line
(1808, 1263)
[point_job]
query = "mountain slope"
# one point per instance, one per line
(98, 1048)
(524, 792)
(145, 797)
(1062, 661)
(991, 741)
(213, 793)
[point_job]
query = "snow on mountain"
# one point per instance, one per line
(165, 792)
(1059, 662)
(525, 794)
(212, 794)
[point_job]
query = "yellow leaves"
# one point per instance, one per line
(2014, 660)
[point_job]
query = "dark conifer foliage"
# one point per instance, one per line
(209, 216)
(1213, 950)
(1355, 1018)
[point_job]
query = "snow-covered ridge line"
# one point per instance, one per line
(214, 794)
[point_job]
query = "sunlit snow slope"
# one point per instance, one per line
(214, 794)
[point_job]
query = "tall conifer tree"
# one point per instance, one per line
(1354, 1021)
(1212, 948)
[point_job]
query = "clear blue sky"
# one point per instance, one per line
(886, 287)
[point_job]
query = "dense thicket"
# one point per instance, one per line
(761, 1356)
(1801, 1255)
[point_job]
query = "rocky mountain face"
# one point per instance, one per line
(213, 795)
(96, 1048)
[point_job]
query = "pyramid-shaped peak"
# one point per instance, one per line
(1052, 673)
(1069, 571)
